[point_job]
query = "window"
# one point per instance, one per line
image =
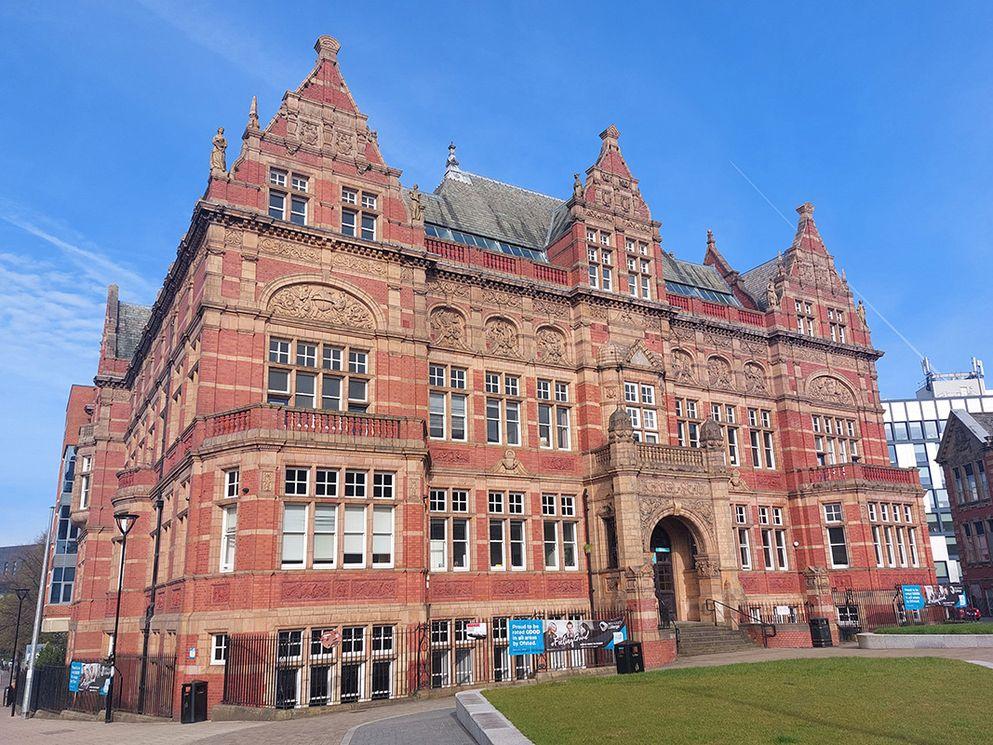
(836, 322)
(229, 532)
(447, 403)
(760, 438)
(353, 548)
(232, 481)
(355, 484)
(838, 546)
(66, 534)
(296, 483)
(331, 388)
(835, 440)
(551, 543)
(325, 535)
(63, 579)
(600, 262)
(359, 222)
(218, 649)
(85, 476)
(326, 482)
(781, 555)
(777, 515)
(515, 503)
(740, 514)
(503, 410)
(727, 416)
(767, 549)
(548, 504)
(639, 271)
(687, 423)
(496, 502)
(763, 515)
(833, 512)
(382, 485)
(639, 399)
(382, 535)
(294, 536)
(299, 185)
(877, 547)
(500, 530)
(553, 419)
(805, 318)
(744, 549)
(497, 553)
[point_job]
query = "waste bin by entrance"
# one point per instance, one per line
(194, 703)
(629, 658)
(820, 632)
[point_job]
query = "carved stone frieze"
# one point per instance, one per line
(830, 390)
(682, 367)
(448, 328)
(313, 302)
(755, 380)
(289, 250)
(719, 373)
(359, 264)
(550, 345)
(551, 308)
(448, 288)
(501, 338)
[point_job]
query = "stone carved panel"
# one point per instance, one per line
(682, 367)
(550, 345)
(448, 328)
(719, 373)
(359, 264)
(830, 390)
(551, 308)
(501, 338)
(314, 302)
(289, 250)
(365, 589)
(755, 381)
(448, 288)
(667, 497)
(306, 590)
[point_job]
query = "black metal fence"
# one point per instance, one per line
(866, 610)
(774, 612)
(50, 688)
(346, 664)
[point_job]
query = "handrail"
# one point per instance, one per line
(768, 629)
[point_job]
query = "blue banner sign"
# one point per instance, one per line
(913, 597)
(92, 677)
(526, 636)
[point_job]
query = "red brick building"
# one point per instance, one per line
(966, 455)
(357, 407)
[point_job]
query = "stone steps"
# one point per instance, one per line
(701, 638)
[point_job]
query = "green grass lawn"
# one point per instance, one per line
(941, 628)
(919, 701)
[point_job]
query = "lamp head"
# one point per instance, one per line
(21, 593)
(125, 521)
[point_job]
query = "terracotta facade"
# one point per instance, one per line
(568, 378)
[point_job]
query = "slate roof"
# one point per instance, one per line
(756, 280)
(493, 209)
(695, 275)
(131, 321)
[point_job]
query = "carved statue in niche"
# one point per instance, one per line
(448, 328)
(755, 378)
(550, 345)
(501, 337)
(826, 388)
(771, 297)
(682, 367)
(860, 309)
(719, 372)
(217, 160)
(577, 187)
(319, 303)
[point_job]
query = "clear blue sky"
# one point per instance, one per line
(880, 116)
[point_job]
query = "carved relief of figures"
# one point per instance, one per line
(755, 379)
(831, 390)
(550, 345)
(708, 566)
(682, 367)
(320, 303)
(217, 161)
(501, 337)
(719, 372)
(448, 328)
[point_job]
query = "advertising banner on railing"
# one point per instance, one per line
(534, 636)
(89, 677)
(948, 596)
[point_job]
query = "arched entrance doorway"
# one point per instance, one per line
(677, 587)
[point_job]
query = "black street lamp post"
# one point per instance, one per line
(125, 521)
(21, 594)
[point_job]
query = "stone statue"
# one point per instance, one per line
(577, 187)
(771, 296)
(860, 309)
(509, 464)
(217, 162)
(416, 208)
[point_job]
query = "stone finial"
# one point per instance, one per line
(805, 210)
(452, 161)
(619, 427)
(452, 170)
(253, 114)
(711, 436)
(327, 48)
(711, 243)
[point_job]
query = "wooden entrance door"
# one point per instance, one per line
(665, 587)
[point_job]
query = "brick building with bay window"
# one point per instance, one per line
(355, 408)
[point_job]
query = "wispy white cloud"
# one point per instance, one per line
(217, 33)
(53, 285)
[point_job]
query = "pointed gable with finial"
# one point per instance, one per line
(609, 184)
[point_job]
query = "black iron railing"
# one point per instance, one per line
(740, 616)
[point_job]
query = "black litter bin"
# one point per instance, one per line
(194, 704)
(629, 658)
(820, 632)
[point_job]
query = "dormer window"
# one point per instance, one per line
(288, 206)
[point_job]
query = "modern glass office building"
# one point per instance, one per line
(913, 433)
